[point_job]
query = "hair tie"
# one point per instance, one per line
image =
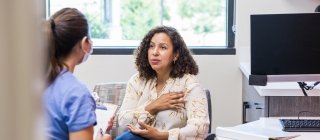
(53, 25)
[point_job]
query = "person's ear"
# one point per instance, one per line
(85, 44)
(176, 57)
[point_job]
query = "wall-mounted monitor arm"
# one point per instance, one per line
(304, 86)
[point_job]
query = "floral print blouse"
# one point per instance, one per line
(191, 122)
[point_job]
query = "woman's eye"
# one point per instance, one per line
(163, 47)
(151, 46)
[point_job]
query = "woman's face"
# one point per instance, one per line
(160, 53)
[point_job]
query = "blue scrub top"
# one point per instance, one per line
(69, 106)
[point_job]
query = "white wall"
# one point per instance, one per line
(219, 73)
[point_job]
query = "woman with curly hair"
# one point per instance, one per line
(164, 100)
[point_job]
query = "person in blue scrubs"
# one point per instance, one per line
(69, 105)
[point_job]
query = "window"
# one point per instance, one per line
(118, 26)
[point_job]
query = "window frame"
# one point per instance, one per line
(197, 50)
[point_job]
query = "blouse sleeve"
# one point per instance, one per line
(197, 114)
(130, 112)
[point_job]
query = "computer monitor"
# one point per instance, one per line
(285, 48)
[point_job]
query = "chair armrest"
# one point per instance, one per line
(211, 136)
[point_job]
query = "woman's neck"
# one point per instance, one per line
(71, 64)
(162, 77)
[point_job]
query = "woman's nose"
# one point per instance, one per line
(155, 51)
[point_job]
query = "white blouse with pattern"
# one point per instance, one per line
(192, 122)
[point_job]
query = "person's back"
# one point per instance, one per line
(64, 98)
(69, 106)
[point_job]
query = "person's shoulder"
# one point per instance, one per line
(136, 78)
(190, 81)
(190, 78)
(73, 81)
(189, 84)
(72, 84)
(67, 88)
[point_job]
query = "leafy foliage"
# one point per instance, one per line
(98, 29)
(138, 17)
(201, 14)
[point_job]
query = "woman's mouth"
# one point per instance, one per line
(155, 61)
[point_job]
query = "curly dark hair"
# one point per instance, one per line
(185, 63)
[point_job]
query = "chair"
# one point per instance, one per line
(210, 136)
(112, 93)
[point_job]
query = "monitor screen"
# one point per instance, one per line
(285, 44)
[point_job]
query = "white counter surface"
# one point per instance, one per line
(279, 88)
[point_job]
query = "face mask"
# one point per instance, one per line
(86, 56)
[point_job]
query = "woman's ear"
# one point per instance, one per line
(85, 44)
(176, 57)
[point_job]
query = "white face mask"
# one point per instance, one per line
(86, 56)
